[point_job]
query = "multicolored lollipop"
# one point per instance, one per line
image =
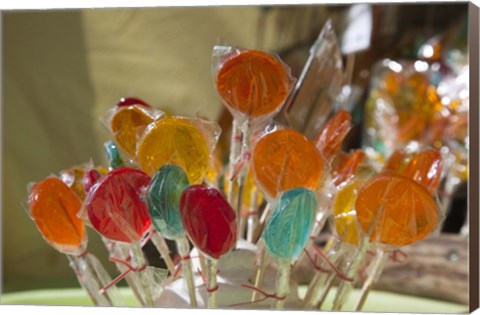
(53, 206)
(175, 141)
(211, 224)
(287, 232)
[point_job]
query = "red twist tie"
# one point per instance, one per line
(395, 256)
(241, 165)
(331, 265)
(253, 213)
(314, 263)
(85, 253)
(238, 138)
(123, 274)
(265, 296)
(212, 289)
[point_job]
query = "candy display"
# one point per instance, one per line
(296, 192)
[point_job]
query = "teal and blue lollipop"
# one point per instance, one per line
(287, 232)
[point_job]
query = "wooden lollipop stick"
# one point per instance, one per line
(184, 251)
(379, 264)
(283, 285)
(139, 259)
(89, 280)
(119, 250)
(260, 271)
(212, 285)
(164, 251)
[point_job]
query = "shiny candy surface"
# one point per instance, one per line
(253, 83)
(289, 226)
(426, 169)
(403, 211)
(209, 220)
(90, 178)
(174, 141)
(73, 178)
(333, 133)
(347, 165)
(53, 208)
(115, 207)
(128, 101)
(112, 154)
(163, 199)
(125, 124)
(286, 159)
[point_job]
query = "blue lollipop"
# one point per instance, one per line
(287, 232)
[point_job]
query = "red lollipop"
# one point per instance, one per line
(209, 220)
(115, 208)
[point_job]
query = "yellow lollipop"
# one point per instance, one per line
(175, 141)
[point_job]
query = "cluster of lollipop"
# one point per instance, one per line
(275, 196)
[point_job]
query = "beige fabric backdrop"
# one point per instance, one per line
(63, 69)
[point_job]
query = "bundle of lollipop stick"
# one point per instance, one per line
(279, 190)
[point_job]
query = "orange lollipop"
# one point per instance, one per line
(333, 133)
(125, 123)
(404, 211)
(395, 162)
(346, 166)
(253, 83)
(286, 159)
(426, 169)
(54, 208)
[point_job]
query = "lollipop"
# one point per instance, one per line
(286, 159)
(211, 224)
(54, 207)
(126, 119)
(163, 199)
(391, 210)
(287, 233)
(331, 136)
(115, 209)
(253, 85)
(175, 141)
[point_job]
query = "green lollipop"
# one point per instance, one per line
(163, 198)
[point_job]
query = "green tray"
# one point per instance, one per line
(377, 301)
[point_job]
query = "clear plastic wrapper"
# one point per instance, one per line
(115, 207)
(124, 121)
(186, 142)
(252, 84)
(321, 80)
